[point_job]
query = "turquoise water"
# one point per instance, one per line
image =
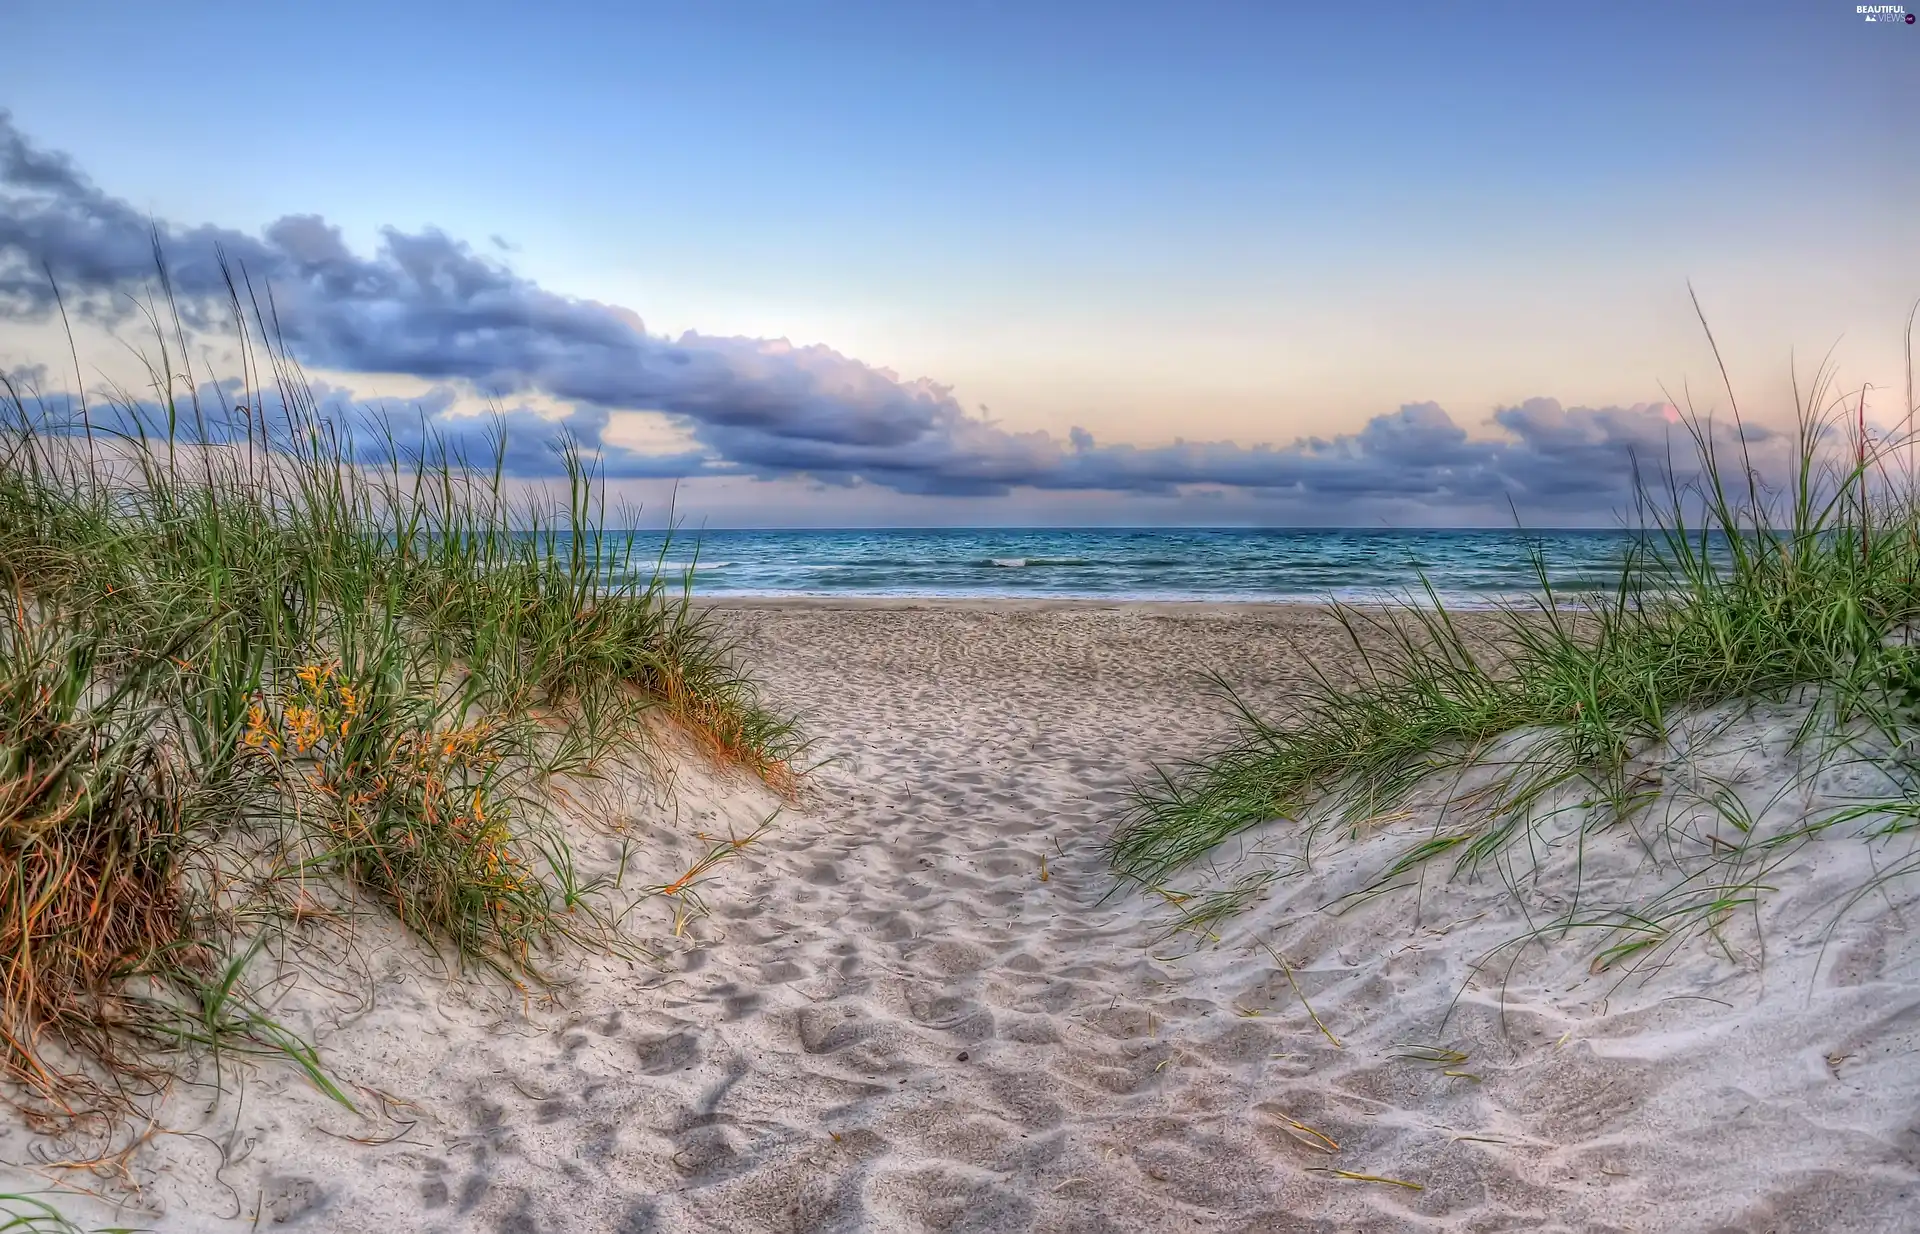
(1465, 567)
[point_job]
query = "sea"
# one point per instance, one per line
(1465, 568)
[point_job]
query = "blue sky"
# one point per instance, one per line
(1365, 236)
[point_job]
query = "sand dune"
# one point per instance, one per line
(919, 1003)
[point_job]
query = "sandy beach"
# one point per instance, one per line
(920, 1002)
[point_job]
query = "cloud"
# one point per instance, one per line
(431, 306)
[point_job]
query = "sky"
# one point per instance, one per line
(820, 264)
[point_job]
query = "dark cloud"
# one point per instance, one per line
(372, 431)
(529, 441)
(428, 305)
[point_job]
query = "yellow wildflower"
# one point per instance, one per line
(260, 731)
(303, 726)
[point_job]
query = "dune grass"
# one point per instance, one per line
(30, 1214)
(247, 646)
(1739, 586)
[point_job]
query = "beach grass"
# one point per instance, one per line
(31, 1214)
(249, 649)
(1750, 580)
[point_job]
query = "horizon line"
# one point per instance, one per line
(1147, 527)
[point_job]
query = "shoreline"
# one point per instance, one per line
(1015, 604)
(1194, 607)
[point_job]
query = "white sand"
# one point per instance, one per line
(892, 1021)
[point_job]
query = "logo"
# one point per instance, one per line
(1892, 14)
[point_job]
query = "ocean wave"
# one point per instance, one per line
(1021, 563)
(1477, 568)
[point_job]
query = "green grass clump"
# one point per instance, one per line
(29, 1214)
(91, 825)
(246, 646)
(1735, 589)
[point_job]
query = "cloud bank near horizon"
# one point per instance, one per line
(434, 308)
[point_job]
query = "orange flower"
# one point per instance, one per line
(304, 728)
(260, 730)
